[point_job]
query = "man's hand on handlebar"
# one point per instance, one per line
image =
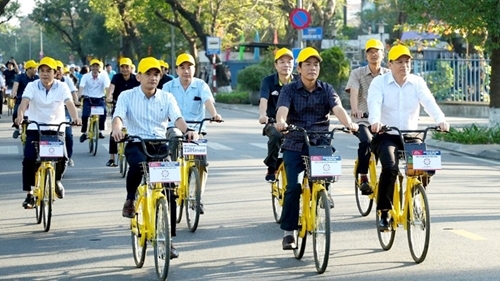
(376, 127)
(191, 135)
(117, 135)
(445, 127)
(263, 119)
(281, 126)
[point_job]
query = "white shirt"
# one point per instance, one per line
(399, 106)
(147, 118)
(70, 83)
(94, 87)
(47, 106)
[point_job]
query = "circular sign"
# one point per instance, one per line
(300, 18)
(71, 57)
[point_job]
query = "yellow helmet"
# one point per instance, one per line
(148, 63)
(307, 53)
(48, 61)
(182, 58)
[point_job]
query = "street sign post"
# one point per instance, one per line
(312, 33)
(295, 52)
(213, 45)
(300, 18)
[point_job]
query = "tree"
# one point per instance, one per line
(8, 10)
(478, 21)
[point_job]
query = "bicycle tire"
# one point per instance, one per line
(96, 137)
(277, 193)
(179, 209)
(321, 234)
(418, 224)
(386, 238)
(138, 251)
(193, 199)
(161, 243)
(301, 242)
(38, 208)
(48, 191)
(363, 202)
(91, 140)
(122, 162)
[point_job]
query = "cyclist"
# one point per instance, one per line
(357, 87)
(394, 100)
(307, 103)
(46, 98)
(269, 92)
(146, 110)
(10, 77)
(93, 86)
(18, 88)
(122, 81)
(165, 77)
(193, 95)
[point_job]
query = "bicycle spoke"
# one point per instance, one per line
(418, 224)
(321, 232)
(162, 240)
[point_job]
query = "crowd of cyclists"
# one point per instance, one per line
(152, 104)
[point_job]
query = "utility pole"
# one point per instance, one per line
(299, 31)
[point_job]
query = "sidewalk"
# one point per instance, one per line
(485, 151)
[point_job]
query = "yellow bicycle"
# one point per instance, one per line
(365, 202)
(321, 169)
(410, 206)
(93, 128)
(151, 222)
(278, 190)
(11, 103)
(193, 162)
(49, 149)
(122, 160)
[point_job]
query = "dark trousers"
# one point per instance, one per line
(87, 104)
(365, 138)
(135, 155)
(14, 114)
(293, 166)
(273, 147)
(30, 164)
(113, 146)
(69, 136)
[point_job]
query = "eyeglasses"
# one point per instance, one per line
(401, 62)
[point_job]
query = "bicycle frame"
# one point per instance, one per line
(148, 195)
(92, 121)
(309, 201)
(45, 167)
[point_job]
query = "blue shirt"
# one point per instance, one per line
(146, 117)
(192, 100)
(310, 110)
(23, 80)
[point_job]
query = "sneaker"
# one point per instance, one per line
(173, 252)
(101, 136)
(83, 137)
(15, 134)
(271, 177)
(365, 188)
(29, 202)
(111, 163)
(71, 163)
(59, 190)
(202, 208)
(288, 243)
(128, 209)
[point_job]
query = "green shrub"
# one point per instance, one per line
(334, 68)
(473, 134)
(250, 78)
(233, 98)
(440, 82)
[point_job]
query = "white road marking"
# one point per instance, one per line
(259, 145)
(467, 234)
(9, 149)
(218, 146)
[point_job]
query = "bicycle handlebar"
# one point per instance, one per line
(38, 125)
(203, 121)
(401, 132)
(131, 138)
(330, 133)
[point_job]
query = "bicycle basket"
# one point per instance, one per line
(321, 164)
(409, 148)
(50, 148)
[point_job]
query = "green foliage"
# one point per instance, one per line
(335, 67)
(440, 81)
(473, 134)
(233, 98)
(8, 10)
(250, 78)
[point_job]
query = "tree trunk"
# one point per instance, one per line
(495, 84)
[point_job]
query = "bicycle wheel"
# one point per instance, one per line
(386, 238)
(418, 224)
(161, 243)
(364, 202)
(46, 203)
(136, 225)
(321, 232)
(277, 193)
(298, 253)
(122, 163)
(179, 208)
(96, 137)
(193, 199)
(38, 206)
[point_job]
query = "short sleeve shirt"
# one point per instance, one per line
(270, 89)
(94, 87)
(310, 110)
(10, 77)
(23, 81)
(122, 85)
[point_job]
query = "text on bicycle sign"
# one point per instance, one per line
(164, 172)
(322, 166)
(426, 159)
(198, 148)
(51, 149)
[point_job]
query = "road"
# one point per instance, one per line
(237, 238)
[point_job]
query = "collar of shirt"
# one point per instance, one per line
(300, 85)
(176, 83)
(410, 78)
(41, 87)
(277, 81)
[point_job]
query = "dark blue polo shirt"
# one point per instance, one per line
(310, 110)
(270, 89)
(164, 79)
(10, 77)
(23, 81)
(121, 84)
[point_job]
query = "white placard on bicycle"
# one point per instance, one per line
(164, 172)
(326, 166)
(51, 149)
(426, 159)
(8, 92)
(97, 110)
(199, 148)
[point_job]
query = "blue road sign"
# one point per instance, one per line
(295, 52)
(213, 45)
(300, 18)
(312, 33)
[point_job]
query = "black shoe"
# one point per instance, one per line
(289, 243)
(271, 177)
(365, 188)
(15, 134)
(173, 252)
(111, 163)
(29, 202)
(128, 210)
(384, 224)
(101, 136)
(83, 137)
(202, 208)
(59, 190)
